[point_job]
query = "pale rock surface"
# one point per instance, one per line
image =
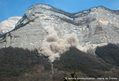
(43, 27)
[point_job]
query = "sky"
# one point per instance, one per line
(9, 8)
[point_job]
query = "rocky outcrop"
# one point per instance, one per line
(45, 33)
(48, 29)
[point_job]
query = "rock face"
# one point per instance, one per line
(9, 24)
(46, 28)
(55, 33)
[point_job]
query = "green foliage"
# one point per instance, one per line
(14, 61)
(75, 60)
(109, 53)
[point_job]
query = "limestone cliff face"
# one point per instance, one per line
(55, 33)
(91, 28)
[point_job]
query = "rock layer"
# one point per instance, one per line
(43, 27)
